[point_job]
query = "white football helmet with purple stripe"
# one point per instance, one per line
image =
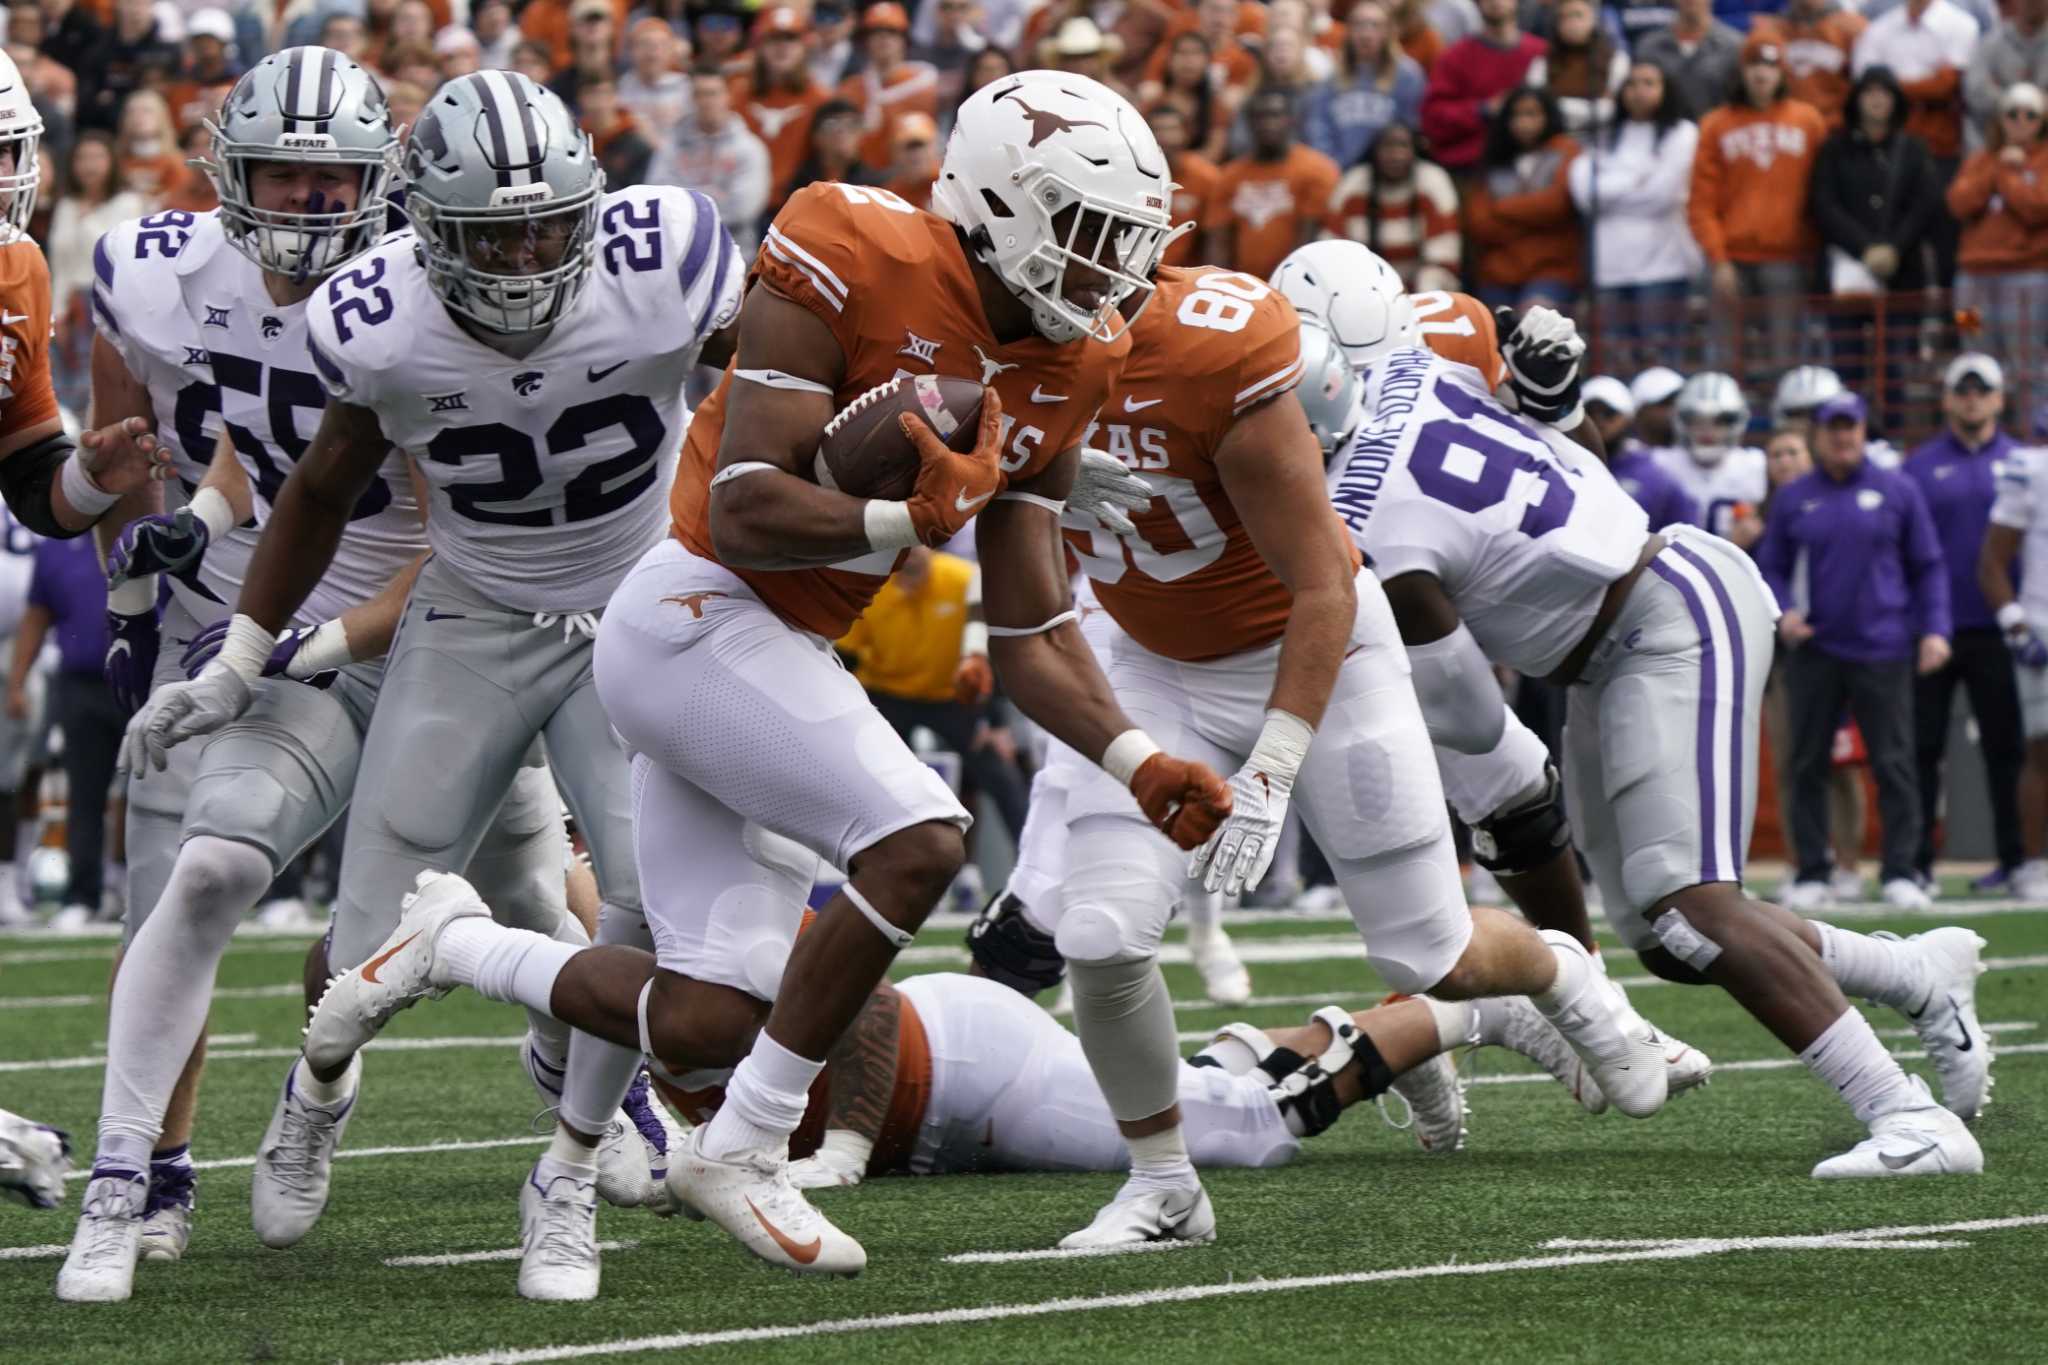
(502, 187)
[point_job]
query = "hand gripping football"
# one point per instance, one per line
(864, 451)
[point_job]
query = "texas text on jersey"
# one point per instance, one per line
(540, 466)
(1524, 531)
(192, 320)
(1212, 344)
(844, 252)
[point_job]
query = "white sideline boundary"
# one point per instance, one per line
(1672, 1250)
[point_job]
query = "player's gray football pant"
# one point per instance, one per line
(157, 800)
(468, 686)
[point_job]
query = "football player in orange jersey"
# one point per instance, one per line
(755, 754)
(51, 487)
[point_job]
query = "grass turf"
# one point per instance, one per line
(1728, 1162)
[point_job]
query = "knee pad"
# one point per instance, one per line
(423, 814)
(784, 858)
(1524, 838)
(1011, 950)
(216, 871)
(1097, 934)
(1684, 942)
(246, 805)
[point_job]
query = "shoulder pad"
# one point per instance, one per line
(650, 234)
(353, 325)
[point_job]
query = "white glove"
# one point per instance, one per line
(1238, 854)
(179, 711)
(33, 1161)
(1545, 357)
(1105, 490)
(841, 1159)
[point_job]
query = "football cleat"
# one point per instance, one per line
(1223, 973)
(1903, 893)
(1625, 1055)
(1947, 1023)
(1435, 1092)
(359, 1002)
(1527, 1032)
(1807, 897)
(101, 1265)
(167, 1214)
(1925, 1139)
(1686, 1067)
(557, 1235)
(751, 1198)
(296, 1158)
(1147, 1213)
(35, 1161)
(660, 1134)
(624, 1179)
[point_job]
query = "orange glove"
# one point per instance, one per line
(952, 487)
(1184, 799)
(973, 680)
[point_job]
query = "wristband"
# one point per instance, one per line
(210, 505)
(1126, 754)
(1569, 423)
(246, 650)
(974, 638)
(1281, 750)
(325, 650)
(135, 597)
(888, 525)
(86, 497)
(2012, 616)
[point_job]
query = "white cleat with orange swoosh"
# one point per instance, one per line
(752, 1198)
(360, 1001)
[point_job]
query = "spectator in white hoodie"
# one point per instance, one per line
(714, 151)
(1630, 187)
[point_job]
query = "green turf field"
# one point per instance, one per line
(1694, 1236)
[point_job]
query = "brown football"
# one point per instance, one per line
(864, 451)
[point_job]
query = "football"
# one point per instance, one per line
(864, 451)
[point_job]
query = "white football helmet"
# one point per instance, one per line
(1033, 146)
(1712, 416)
(1353, 293)
(21, 127)
(1330, 389)
(1801, 391)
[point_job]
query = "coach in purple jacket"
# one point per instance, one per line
(1853, 556)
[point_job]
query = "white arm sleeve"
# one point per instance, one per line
(1460, 699)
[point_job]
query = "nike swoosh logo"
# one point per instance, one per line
(1039, 395)
(963, 503)
(1961, 1028)
(803, 1253)
(1900, 1163)
(9, 319)
(435, 615)
(597, 374)
(1133, 405)
(370, 967)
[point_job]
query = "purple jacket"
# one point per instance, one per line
(69, 583)
(1654, 490)
(1958, 484)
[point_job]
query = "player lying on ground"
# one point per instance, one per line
(34, 1160)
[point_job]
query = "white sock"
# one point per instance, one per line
(1849, 1057)
(1455, 1021)
(1884, 971)
(1574, 973)
(516, 966)
(325, 1094)
(1161, 1159)
(764, 1101)
(570, 1157)
(165, 987)
(1203, 910)
(601, 1072)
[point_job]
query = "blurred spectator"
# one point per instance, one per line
(72, 33)
(344, 33)
(2015, 51)
(889, 84)
(1655, 393)
(776, 95)
(131, 55)
(1630, 187)
(94, 201)
(1082, 48)
(989, 64)
(1230, 65)
(1747, 207)
(194, 192)
(835, 149)
(593, 50)
(1139, 27)
(496, 34)
(1612, 409)
(955, 37)
(1403, 207)
(719, 38)
(1194, 181)
(1468, 83)
(1698, 52)
(1927, 44)
(422, 67)
(51, 85)
(1583, 69)
(68, 593)
(1190, 84)
(1518, 209)
(1418, 38)
(1818, 37)
(1638, 19)
(832, 51)
(1376, 84)
(986, 24)
(615, 136)
(652, 89)
(713, 152)
(1852, 554)
(2000, 197)
(412, 26)
(407, 101)
(1273, 199)
(457, 53)
(1290, 62)
(552, 23)
(915, 166)
(146, 145)
(530, 59)
(1957, 475)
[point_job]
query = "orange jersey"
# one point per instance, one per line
(845, 252)
(1271, 207)
(26, 397)
(1190, 584)
(1460, 328)
(782, 120)
(912, 88)
(1194, 185)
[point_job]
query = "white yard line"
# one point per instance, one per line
(99, 1000)
(2005, 1050)
(473, 1257)
(229, 1163)
(33, 1253)
(1688, 1249)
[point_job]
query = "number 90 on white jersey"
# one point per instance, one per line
(1523, 529)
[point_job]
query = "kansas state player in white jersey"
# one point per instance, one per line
(1725, 477)
(1519, 549)
(2019, 534)
(528, 343)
